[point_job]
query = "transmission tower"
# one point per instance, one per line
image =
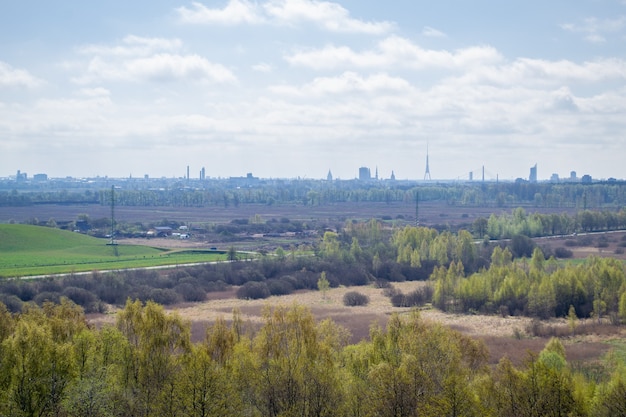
(427, 173)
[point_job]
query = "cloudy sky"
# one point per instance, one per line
(295, 88)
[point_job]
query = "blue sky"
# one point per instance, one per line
(295, 88)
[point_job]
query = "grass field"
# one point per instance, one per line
(33, 250)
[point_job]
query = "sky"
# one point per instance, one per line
(298, 88)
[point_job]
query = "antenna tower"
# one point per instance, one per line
(427, 173)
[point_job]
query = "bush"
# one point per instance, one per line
(279, 287)
(563, 253)
(12, 303)
(416, 298)
(79, 296)
(355, 298)
(190, 292)
(522, 246)
(51, 296)
(253, 290)
(164, 296)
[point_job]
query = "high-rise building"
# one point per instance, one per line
(365, 174)
(533, 174)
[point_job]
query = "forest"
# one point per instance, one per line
(178, 193)
(53, 364)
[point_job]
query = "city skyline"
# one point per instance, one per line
(293, 88)
(363, 174)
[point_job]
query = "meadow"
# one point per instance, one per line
(27, 250)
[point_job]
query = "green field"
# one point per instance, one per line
(34, 250)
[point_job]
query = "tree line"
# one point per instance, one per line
(53, 364)
(316, 192)
(519, 222)
(535, 287)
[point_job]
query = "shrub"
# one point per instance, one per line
(12, 303)
(279, 287)
(49, 285)
(253, 290)
(190, 292)
(415, 298)
(563, 253)
(355, 298)
(79, 296)
(218, 285)
(522, 246)
(164, 296)
(51, 296)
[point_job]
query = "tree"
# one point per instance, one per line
(322, 284)
(39, 370)
(150, 361)
(232, 254)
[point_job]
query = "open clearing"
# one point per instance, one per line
(498, 333)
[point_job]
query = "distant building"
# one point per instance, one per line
(365, 174)
(247, 181)
(586, 179)
(329, 176)
(554, 178)
(533, 174)
(40, 177)
(393, 176)
(572, 176)
(21, 176)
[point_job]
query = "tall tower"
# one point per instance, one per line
(427, 173)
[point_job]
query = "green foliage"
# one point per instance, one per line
(536, 289)
(51, 364)
(322, 284)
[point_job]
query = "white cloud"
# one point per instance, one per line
(170, 67)
(95, 92)
(595, 29)
(394, 52)
(151, 59)
(15, 77)
(235, 12)
(329, 16)
(347, 83)
(432, 32)
(262, 67)
(132, 46)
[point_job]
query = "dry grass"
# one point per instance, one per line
(504, 336)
